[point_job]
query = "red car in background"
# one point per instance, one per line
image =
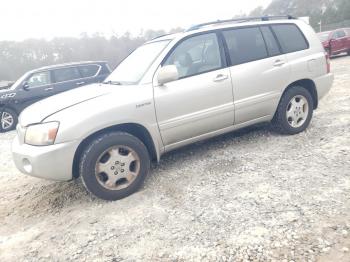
(336, 42)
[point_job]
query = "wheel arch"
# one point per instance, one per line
(9, 107)
(309, 85)
(134, 129)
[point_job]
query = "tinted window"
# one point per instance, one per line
(245, 45)
(290, 38)
(104, 70)
(39, 79)
(340, 34)
(271, 43)
(66, 74)
(88, 70)
(196, 55)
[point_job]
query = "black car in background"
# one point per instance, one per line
(44, 82)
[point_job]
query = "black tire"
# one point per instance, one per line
(280, 121)
(13, 114)
(98, 146)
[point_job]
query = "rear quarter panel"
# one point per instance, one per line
(309, 63)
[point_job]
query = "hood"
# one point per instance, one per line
(44, 108)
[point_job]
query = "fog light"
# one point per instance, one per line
(27, 166)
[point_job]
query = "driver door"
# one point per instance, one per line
(201, 100)
(37, 86)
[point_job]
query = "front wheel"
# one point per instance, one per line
(8, 119)
(114, 165)
(294, 111)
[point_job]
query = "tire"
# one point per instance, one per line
(292, 116)
(328, 50)
(114, 165)
(349, 52)
(8, 119)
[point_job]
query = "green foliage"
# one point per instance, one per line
(16, 58)
(327, 11)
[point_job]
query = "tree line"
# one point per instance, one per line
(17, 58)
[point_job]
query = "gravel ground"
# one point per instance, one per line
(251, 195)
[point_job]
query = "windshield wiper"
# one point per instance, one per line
(110, 82)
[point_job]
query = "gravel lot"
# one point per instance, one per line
(249, 195)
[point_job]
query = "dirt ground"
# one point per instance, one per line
(251, 195)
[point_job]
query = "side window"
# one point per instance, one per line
(66, 74)
(39, 79)
(271, 43)
(245, 45)
(89, 70)
(290, 38)
(196, 55)
(104, 70)
(340, 34)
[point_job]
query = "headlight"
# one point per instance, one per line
(41, 134)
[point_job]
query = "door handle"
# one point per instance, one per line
(48, 88)
(80, 83)
(278, 63)
(220, 77)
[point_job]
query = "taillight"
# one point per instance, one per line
(328, 62)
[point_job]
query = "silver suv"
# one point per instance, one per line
(172, 91)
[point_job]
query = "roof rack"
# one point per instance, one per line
(241, 20)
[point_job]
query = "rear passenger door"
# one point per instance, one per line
(259, 71)
(66, 78)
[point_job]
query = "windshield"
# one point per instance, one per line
(323, 37)
(132, 69)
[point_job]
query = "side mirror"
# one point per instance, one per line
(25, 86)
(167, 74)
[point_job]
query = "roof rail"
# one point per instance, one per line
(241, 20)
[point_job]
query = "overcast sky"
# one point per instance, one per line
(21, 19)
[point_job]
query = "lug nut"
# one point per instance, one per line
(112, 167)
(122, 170)
(116, 173)
(116, 162)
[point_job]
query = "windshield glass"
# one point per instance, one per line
(323, 37)
(132, 69)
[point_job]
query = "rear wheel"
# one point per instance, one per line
(294, 111)
(114, 165)
(8, 119)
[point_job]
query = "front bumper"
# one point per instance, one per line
(323, 84)
(54, 162)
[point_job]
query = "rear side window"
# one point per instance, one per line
(271, 43)
(88, 70)
(66, 74)
(340, 34)
(104, 70)
(290, 38)
(245, 45)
